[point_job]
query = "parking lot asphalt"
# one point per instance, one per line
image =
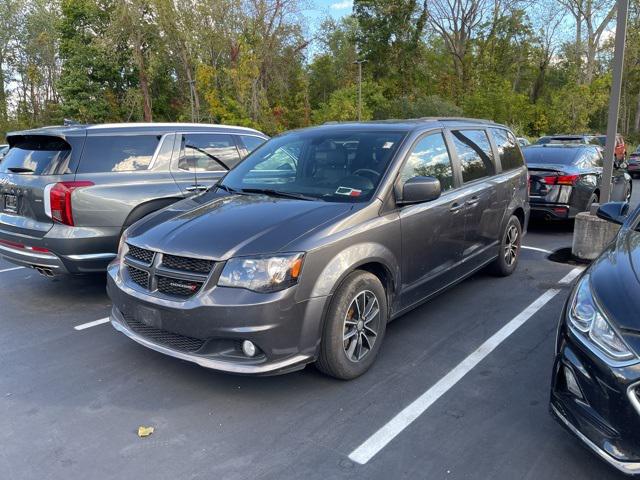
(72, 400)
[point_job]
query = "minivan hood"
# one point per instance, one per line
(615, 281)
(232, 225)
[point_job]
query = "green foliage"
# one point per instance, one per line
(257, 63)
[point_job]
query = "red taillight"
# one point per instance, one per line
(60, 200)
(561, 179)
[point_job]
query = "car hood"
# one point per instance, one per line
(615, 281)
(219, 227)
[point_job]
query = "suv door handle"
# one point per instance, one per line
(456, 207)
(472, 201)
(196, 188)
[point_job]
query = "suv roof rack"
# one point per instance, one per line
(457, 119)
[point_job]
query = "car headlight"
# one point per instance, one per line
(123, 248)
(589, 320)
(262, 274)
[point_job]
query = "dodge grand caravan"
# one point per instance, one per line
(67, 193)
(309, 247)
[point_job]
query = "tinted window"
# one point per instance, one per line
(117, 153)
(331, 165)
(208, 153)
(251, 142)
(37, 155)
(429, 158)
(474, 152)
(510, 154)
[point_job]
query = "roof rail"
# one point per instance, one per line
(457, 119)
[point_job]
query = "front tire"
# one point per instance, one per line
(510, 246)
(354, 328)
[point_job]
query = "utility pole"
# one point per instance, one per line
(614, 100)
(359, 63)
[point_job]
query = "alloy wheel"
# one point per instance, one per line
(361, 324)
(512, 245)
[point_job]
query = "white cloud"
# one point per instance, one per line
(342, 5)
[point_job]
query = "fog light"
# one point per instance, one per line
(248, 348)
(572, 383)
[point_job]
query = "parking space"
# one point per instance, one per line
(72, 399)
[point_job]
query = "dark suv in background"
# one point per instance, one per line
(68, 193)
(312, 244)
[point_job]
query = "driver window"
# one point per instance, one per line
(430, 158)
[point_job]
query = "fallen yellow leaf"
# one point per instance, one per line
(145, 431)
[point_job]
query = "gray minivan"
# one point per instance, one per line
(67, 193)
(307, 248)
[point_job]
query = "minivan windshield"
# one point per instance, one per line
(328, 165)
(36, 155)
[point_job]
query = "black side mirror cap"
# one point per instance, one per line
(420, 189)
(614, 212)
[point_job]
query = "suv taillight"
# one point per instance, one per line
(58, 200)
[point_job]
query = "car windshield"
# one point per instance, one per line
(318, 164)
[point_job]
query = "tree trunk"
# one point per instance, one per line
(143, 80)
(3, 94)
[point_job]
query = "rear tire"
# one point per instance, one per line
(510, 246)
(354, 328)
(593, 199)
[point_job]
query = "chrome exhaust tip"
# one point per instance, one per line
(45, 272)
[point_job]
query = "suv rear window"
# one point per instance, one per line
(117, 153)
(37, 155)
(510, 155)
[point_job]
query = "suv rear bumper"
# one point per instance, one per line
(70, 250)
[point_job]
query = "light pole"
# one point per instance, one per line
(359, 63)
(614, 101)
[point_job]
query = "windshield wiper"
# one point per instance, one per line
(278, 193)
(20, 170)
(227, 188)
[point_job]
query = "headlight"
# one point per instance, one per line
(123, 248)
(262, 274)
(586, 317)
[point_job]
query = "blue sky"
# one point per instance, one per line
(318, 9)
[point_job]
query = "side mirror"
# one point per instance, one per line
(614, 212)
(420, 189)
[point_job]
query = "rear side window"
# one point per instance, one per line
(117, 153)
(429, 158)
(251, 142)
(208, 153)
(474, 152)
(510, 155)
(37, 155)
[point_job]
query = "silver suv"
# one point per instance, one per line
(67, 193)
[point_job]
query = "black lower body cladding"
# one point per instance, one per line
(598, 403)
(209, 328)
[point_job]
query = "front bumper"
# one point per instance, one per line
(71, 250)
(605, 415)
(208, 328)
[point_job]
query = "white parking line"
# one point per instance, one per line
(92, 324)
(536, 249)
(10, 269)
(402, 420)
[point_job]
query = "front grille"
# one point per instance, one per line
(176, 287)
(145, 256)
(170, 275)
(162, 337)
(187, 264)
(138, 276)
